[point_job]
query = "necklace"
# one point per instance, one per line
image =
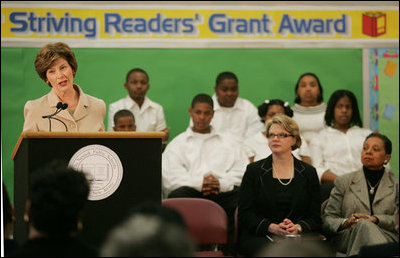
(276, 173)
(372, 190)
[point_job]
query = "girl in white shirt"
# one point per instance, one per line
(336, 150)
(309, 110)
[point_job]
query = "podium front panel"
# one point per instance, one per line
(141, 180)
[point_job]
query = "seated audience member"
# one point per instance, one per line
(57, 195)
(149, 115)
(151, 230)
(363, 204)
(233, 114)
(8, 219)
(309, 110)
(336, 149)
(203, 163)
(258, 144)
(124, 121)
(279, 195)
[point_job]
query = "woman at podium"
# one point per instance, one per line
(66, 107)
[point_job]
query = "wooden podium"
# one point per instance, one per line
(138, 152)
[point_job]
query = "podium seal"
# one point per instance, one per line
(102, 167)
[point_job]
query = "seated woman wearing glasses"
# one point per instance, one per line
(257, 145)
(279, 195)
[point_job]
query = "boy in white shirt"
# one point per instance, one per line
(203, 163)
(234, 115)
(149, 115)
(124, 121)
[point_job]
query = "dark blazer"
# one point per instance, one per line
(257, 208)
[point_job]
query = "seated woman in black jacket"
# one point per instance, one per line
(279, 195)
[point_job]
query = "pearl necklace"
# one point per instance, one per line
(372, 190)
(276, 173)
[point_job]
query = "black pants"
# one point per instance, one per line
(227, 200)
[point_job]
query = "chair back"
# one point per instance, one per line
(206, 220)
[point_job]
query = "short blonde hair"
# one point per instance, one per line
(288, 124)
(49, 54)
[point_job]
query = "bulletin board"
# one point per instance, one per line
(384, 97)
(176, 76)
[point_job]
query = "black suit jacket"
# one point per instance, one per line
(257, 208)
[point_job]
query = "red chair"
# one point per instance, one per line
(206, 220)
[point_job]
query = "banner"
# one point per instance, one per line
(115, 25)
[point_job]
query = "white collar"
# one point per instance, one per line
(354, 127)
(190, 133)
(218, 106)
(146, 103)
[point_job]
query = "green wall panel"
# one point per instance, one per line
(176, 75)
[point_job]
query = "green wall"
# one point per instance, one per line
(176, 75)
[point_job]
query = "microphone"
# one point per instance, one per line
(60, 106)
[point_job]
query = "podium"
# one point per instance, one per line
(139, 154)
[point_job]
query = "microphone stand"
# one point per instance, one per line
(60, 107)
(66, 129)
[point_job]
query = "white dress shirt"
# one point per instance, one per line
(337, 151)
(241, 120)
(148, 118)
(258, 145)
(309, 119)
(190, 156)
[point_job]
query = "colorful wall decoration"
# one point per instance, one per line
(384, 97)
